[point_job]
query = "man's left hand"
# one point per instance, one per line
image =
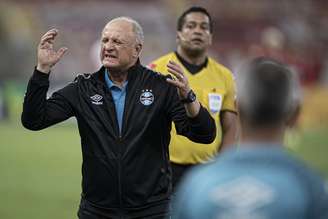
(179, 80)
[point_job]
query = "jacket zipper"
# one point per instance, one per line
(119, 139)
(119, 177)
(121, 214)
(120, 148)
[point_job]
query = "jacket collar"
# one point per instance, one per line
(133, 72)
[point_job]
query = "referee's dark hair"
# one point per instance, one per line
(193, 9)
(268, 93)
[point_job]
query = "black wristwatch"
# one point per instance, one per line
(191, 97)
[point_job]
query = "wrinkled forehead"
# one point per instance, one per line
(123, 29)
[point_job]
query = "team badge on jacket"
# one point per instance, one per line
(146, 97)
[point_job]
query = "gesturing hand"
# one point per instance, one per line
(47, 56)
(180, 80)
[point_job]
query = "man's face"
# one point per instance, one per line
(195, 35)
(119, 49)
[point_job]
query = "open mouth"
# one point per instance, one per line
(109, 56)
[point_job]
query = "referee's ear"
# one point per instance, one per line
(210, 39)
(178, 38)
(293, 117)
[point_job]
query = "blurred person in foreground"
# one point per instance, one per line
(213, 85)
(259, 179)
(124, 113)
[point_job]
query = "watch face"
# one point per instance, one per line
(192, 96)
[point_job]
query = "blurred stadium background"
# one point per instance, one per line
(40, 172)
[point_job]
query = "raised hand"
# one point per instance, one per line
(47, 56)
(180, 80)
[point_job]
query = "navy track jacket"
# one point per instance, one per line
(127, 171)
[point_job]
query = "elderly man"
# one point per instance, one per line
(124, 113)
(259, 180)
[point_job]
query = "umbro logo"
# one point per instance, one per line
(96, 99)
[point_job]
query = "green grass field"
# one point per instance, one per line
(40, 172)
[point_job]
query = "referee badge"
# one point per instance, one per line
(214, 102)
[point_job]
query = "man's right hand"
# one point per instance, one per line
(47, 56)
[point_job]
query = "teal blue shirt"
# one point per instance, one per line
(119, 94)
(260, 181)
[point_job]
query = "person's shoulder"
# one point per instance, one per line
(153, 74)
(280, 158)
(201, 180)
(219, 67)
(313, 184)
(303, 170)
(205, 171)
(89, 77)
(80, 77)
(161, 62)
(164, 58)
(81, 80)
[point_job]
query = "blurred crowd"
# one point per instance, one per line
(292, 31)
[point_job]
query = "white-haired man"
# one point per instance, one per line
(119, 110)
